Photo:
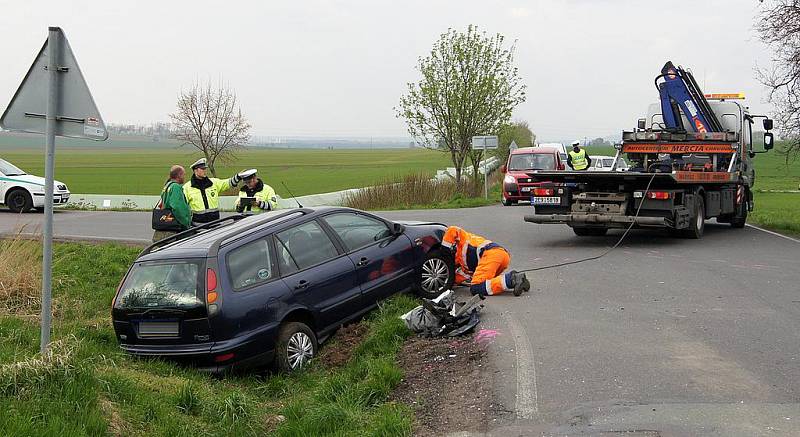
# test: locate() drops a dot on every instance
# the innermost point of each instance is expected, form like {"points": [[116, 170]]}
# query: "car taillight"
{"points": [[659, 195], [223, 357], [211, 286], [542, 191]]}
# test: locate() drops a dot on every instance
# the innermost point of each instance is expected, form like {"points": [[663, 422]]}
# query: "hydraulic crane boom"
{"points": [[680, 92]]}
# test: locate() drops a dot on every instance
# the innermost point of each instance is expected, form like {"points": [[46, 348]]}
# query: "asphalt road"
{"points": [[663, 336]]}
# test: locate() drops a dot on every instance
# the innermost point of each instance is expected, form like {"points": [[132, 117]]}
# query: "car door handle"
{"points": [[362, 262], [301, 285]]}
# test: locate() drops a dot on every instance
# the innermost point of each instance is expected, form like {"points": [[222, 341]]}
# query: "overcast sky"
{"points": [[337, 68]]}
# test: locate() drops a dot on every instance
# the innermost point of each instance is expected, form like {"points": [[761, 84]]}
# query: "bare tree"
{"points": [[469, 87], [210, 120], [778, 25]]}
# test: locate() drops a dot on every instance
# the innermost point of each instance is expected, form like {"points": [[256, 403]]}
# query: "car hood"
{"points": [[418, 223], [30, 179]]}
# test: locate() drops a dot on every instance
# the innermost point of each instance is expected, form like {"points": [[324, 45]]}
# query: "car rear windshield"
{"points": [[171, 284], [532, 161]]}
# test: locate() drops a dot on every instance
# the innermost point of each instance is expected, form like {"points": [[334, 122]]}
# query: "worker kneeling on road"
{"points": [[482, 263], [203, 192], [263, 196]]}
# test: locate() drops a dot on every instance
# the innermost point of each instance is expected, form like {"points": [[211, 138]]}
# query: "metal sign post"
{"points": [[53, 99], [485, 142], [53, 54]]}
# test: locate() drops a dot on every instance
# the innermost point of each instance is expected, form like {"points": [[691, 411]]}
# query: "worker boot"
{"points": [[521, 283]]}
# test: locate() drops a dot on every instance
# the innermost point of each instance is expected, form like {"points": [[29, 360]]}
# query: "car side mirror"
{"points": [[642, 123], [769, 140], [397, 229], [561, 166], [767, 124], [503, 169]]}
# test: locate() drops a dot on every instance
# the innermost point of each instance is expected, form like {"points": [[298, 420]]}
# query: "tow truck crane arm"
{"points": [[680, 92]]}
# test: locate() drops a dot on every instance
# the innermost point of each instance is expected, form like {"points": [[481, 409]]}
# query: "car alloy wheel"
{"points": [[435, 273], [299, 350]]}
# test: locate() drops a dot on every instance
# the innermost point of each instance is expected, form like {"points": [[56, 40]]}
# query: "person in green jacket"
{"points": [[264, 195], [172, 197]]}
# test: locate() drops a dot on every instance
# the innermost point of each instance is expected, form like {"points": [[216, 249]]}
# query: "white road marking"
{"points": [[774, 233], [527, 392]]}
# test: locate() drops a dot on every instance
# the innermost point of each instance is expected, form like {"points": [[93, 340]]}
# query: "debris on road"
{"points": [[443, 316]]}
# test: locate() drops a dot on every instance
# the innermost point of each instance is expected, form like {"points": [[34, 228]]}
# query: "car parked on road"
{"points": [[604, 163], [21, 192], [517, 183], [248, 290]]}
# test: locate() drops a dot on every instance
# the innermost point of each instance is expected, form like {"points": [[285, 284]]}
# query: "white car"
{"points": [[604, 163], [21, 191]]}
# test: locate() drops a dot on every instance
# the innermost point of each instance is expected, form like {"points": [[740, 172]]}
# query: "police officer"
{"points": [[203, 192], [577, 158], [254, 187]]}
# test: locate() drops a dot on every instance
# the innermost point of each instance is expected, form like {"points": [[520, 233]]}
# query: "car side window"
{"points": [[357, 231], [250, 264], [303, 246]]}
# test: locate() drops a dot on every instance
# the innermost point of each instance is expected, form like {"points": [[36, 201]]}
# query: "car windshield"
{"points": [[9, 169], [171, 284], [532, 161]]}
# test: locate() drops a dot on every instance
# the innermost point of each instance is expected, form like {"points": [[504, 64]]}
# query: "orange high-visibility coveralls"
{"points": [[479, 261]]}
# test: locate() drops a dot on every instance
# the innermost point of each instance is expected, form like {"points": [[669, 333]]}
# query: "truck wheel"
{"points": [[438, 274], [740, 218], [19, 200], [697, 223], [295, 347], [590, 232]]}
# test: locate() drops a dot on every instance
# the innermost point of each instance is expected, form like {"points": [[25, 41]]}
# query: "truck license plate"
{"points": [[546, 200]]}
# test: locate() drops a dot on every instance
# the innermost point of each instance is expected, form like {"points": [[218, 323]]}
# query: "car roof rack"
{"points": [[191, 231]]}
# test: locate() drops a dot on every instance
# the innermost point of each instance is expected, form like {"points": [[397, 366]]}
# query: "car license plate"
{"points": [[158, 329], [546, 200], [525, 189]]}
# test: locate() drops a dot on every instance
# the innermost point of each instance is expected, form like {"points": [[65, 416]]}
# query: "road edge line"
{"points": [[773, 233]]}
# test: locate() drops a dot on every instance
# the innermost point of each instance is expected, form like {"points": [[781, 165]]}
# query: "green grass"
{"points": [[91, 388], [126, 166]]}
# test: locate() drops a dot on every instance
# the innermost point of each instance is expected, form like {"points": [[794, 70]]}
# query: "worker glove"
{"points": [[478, 290], [264, 205], [236, 179]]}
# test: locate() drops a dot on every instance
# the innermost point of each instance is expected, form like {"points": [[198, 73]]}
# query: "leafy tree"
{"points": [[210, 120], [778, 25], [519, 132], [599, 142], [469, 86]]}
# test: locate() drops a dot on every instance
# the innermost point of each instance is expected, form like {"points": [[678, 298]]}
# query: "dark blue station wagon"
{"points": [[245, 291]]}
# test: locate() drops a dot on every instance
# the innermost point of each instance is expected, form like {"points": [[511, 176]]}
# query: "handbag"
{"points": [[163, 218]]}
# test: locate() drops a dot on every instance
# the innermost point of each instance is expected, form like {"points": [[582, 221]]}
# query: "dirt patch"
{"points": [[340, 347], [446, 384]]}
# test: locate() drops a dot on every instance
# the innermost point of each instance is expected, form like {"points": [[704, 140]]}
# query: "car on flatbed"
{"points": [[21, 191], [245, 291], [517, 183], [606, 163]]}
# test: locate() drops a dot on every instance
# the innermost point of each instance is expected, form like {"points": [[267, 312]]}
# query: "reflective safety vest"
{"points": [[205, 201], [266, 195], [469, 247], [578, 159]]}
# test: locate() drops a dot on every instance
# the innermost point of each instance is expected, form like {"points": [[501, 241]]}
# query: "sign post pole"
{"points": [[53, 55], [485, 174]]}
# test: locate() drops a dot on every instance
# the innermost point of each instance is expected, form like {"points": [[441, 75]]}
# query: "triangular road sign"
{"points": [[77, 114], [513, 145]]}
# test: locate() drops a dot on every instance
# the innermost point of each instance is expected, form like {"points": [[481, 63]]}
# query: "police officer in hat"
{"points": [[264, 197], [202, 192], [577, 158]]}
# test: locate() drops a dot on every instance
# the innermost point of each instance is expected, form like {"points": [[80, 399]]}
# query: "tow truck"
{"points": [[691, 159]]}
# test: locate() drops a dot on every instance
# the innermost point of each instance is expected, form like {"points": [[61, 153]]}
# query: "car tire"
{"points": [[438, 273], [296, 345], [697, 222], [19, 200], [507, 202], [590, 232]]}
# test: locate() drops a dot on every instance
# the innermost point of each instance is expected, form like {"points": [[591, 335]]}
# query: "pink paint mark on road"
{"points": [[485, 336]]}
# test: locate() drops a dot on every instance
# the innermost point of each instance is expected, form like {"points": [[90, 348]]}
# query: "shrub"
{"points": [[409, 190]]}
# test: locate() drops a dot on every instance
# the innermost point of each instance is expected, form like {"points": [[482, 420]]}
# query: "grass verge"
{"points": [[779, 212], [419, 191], [86, 386]]}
